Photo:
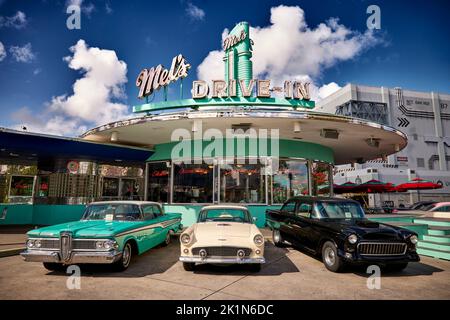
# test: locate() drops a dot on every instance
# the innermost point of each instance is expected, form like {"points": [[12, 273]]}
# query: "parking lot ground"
{"points": [[288, 274]]}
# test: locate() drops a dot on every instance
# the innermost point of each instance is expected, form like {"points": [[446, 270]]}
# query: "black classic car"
{"points": [[337, 230]]}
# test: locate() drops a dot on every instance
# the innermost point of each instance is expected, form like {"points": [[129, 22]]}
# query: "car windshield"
{"points": [[428, 207], [225, 214], [112, 211], [339, 210]]}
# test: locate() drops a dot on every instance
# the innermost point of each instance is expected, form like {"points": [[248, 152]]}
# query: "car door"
{"points": [[152, 228], [161, 230], [287, 213], [301, 223]]}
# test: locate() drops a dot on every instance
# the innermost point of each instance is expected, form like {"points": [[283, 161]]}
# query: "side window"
{"points": [[443, 209], [289, 207], [148, 212], [157, 211], [304, 210]]}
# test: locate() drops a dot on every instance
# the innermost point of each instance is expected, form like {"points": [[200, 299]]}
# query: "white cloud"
{"points": [[17, 21], [289, 49], [327, 89], [95, 95], [2, 52], [22, 54], [194, 12]]}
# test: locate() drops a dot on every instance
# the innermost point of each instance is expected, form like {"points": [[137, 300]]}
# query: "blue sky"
{"points": [[411, 50]]}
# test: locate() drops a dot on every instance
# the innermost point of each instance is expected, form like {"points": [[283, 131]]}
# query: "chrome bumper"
{"points": [[76, 256], [222, 260]]}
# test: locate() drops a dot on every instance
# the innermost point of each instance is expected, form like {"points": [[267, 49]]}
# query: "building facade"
{"points": [[423, 116]]}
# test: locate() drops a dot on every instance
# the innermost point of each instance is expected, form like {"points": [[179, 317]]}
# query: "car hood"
{"points": [[85, 229], [222, 230], [365, 229]]}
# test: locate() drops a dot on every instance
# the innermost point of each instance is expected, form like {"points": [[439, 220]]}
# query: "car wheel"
{"points": [[277, 238], [124, 262], [396, 266], [168, 238], [189, 266], [51, 266], [330, 258], [256, 267]]}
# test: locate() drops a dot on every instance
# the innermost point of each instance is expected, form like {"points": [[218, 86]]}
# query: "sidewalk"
{"points": [[12, 239]]}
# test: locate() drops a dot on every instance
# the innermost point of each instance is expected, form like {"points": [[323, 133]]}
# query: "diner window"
{"points": [[110, 187], [192, 183], [43, 186], [129, 189], [21, 186], [158, 182], [290, 180], [320, 177], [242, 183]]}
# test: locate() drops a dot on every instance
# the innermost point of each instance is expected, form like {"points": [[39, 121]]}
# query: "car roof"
{"points": [[224, 207], [136, 202]]}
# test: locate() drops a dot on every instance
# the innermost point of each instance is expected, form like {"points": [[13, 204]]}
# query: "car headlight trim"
{"points": [[30, 243], [185, 238], [352, 239], [258, 240], [413, 239], [99, 244]]}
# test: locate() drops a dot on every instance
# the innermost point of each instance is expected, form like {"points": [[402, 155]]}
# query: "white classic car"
{"points": [[222, 235]]}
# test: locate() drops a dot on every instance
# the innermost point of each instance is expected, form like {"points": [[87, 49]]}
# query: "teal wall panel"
{"points": [[16, 214], [54, 214]]}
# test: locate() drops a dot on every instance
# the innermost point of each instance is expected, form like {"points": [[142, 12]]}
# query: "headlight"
{"points": [[352, 239], [30, 243], [413, 239], [37, 243], [185, 238], [99, 244], [109, 244], [258, 239]]}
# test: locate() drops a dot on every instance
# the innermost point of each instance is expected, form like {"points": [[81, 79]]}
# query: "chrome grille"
{"points": [[52, 243], [221, 251], [381, 248], [66, 245], [83, 244]]}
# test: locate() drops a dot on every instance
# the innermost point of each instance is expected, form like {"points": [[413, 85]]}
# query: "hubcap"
{"points": [[329, 256], [126, 255]]}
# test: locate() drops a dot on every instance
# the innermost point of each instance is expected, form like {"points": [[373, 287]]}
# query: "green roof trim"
{"points": [[287, 148], [230, 101]]}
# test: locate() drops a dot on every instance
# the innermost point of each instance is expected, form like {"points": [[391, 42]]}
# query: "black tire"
{"points": [[189, 266], [277, 238], [51, 266], [255, 267], [396, 267], [168, 239], [124, 262], [330, 258]]}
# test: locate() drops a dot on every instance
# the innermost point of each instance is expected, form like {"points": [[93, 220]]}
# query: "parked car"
{"points": [[222, 235], [108, 233], [440, 209], [375, 210], [421, 205], [337, 230]]}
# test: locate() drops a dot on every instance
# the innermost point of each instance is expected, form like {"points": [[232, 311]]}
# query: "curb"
{"points": [[11, 252]]}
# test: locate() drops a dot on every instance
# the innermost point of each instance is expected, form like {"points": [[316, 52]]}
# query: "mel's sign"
{"points": [[154, 78]]}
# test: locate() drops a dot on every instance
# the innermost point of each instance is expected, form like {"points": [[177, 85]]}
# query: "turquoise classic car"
{"points": [[109, 233]]}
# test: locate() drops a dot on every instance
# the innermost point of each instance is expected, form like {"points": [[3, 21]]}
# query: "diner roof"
{"points": [[20, 147], [358, 140]]}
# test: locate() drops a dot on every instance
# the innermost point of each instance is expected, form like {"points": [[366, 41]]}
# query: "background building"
{"points": [[423, 116]]}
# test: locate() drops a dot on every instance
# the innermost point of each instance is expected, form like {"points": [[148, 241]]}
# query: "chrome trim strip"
{"points": [[152, 226], [76, 257]]}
